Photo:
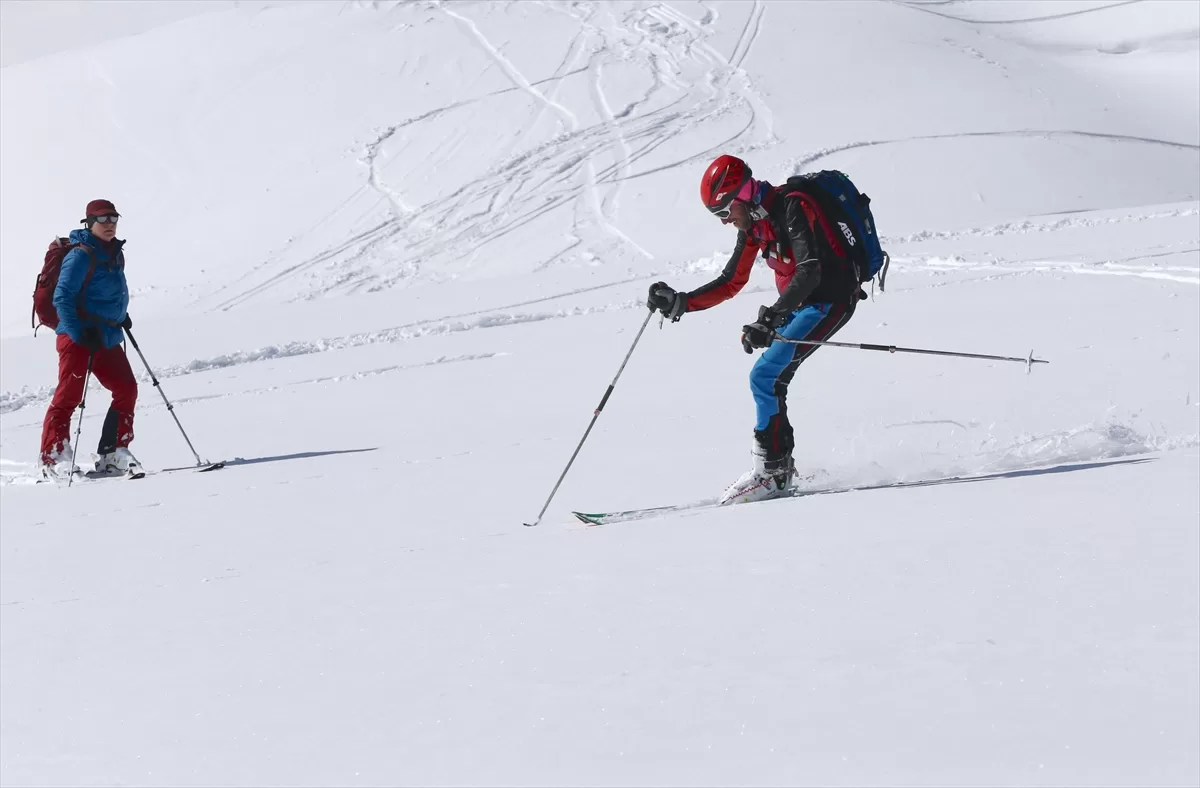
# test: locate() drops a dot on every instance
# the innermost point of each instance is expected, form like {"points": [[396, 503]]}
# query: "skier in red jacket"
{"points": [[818, 283]]}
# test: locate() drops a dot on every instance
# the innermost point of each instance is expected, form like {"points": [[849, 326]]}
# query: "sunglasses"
{"points": [[104, 219]]}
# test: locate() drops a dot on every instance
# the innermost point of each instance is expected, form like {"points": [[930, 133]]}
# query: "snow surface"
{"points": [[386, 257]]}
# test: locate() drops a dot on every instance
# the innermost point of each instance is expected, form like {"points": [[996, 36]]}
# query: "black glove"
{"points": [[92, 339], [756, 335], [127, 323], [761, 333], [667, 301]]}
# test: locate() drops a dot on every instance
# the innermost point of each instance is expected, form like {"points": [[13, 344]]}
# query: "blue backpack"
{"points": [[850, 210]]}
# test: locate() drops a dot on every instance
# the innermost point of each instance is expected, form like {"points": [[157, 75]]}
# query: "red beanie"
{"points": [[101, 208]]}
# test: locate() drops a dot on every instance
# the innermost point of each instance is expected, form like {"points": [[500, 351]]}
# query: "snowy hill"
{"points": [[385, 258]]}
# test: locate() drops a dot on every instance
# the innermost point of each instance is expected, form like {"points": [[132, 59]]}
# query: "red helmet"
{"points": [[722, 180]]}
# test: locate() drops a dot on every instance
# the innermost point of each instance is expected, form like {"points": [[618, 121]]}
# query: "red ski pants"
{"points": [[111, 367]]}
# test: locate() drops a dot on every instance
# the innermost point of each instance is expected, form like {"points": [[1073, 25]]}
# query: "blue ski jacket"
{"points": [[103, 300]]}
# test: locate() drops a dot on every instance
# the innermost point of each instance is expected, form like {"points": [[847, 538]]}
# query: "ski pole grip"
{"points": [[888, 348]]}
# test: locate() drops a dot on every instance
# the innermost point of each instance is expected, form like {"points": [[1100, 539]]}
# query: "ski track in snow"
{"points": [[800, 164], [691, 84], [358, 375], [515, 191], [358, 243], [14, 401], [11, 402], [1026, 226], [753, 27], [1181, 274], [1184, 274], [1049, 17]]}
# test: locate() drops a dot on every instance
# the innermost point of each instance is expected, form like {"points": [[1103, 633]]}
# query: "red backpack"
{"points": [[43, 291]]}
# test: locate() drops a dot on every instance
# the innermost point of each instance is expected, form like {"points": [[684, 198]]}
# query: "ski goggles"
{"points": [[105, 219], [744, 194]]}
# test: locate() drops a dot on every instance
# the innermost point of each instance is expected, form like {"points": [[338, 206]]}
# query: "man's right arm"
{"points": [[66, 293], [730, 281]]}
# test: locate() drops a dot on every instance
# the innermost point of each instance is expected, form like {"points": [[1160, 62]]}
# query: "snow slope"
{"points": [[386, 257]]}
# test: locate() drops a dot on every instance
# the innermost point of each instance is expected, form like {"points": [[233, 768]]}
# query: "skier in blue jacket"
{"points": [[92, 302]]}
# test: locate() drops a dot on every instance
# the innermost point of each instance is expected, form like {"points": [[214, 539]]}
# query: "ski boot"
{"points": [[119, 462], [59, 465], [767, 479]]}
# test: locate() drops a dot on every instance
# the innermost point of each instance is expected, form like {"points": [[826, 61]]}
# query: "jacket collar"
{"points": [[85, 236]]}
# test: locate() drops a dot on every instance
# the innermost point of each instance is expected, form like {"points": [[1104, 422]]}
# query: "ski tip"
{"points": [[587, 519], [214, 466]]}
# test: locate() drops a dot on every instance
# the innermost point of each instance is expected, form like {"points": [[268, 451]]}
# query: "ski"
{"points": [[628, 515], [95, 476], [114, 475], [77, 474], [92, 476], [604, 518]]}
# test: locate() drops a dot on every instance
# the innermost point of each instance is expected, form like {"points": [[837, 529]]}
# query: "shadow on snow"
{"points": [[303, 455], [982, 477]]}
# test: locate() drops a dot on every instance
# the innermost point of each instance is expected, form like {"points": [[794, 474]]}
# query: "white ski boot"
{"points": [[60, 464], [118, 462], [762, 482]]}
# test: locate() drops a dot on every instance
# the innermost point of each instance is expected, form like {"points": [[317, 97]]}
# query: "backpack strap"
{"points": [[818, 220], [79, 299]]}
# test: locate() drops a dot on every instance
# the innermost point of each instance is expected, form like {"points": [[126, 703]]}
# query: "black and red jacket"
{"points": [[807, 254]]}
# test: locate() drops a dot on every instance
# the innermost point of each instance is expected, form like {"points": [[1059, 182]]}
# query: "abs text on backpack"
{"points": [[840, 201], [44, 312]]}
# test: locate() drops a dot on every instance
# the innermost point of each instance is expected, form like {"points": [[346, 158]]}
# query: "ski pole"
{"points": [[170, 407], [1028, 361], [82, 404], [595, 415]]}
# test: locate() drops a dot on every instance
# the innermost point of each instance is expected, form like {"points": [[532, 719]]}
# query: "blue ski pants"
{"points": [[771, 374]]}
